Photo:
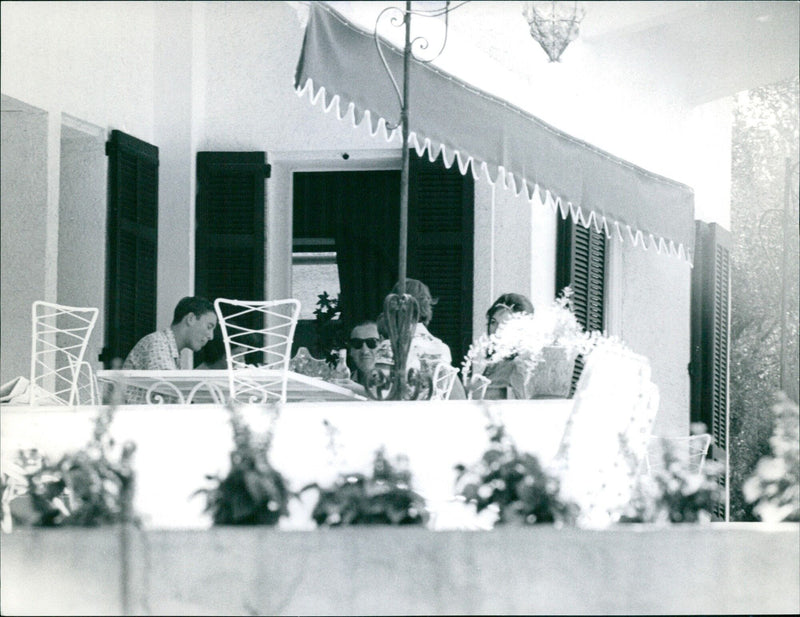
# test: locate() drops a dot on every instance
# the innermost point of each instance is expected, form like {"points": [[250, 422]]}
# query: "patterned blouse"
{"points": [[425, 346]]}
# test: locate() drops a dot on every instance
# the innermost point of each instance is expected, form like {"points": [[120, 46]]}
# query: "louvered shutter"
{"points": [[229, 234], [229, 237], [132, 243], [710, 336], [440, 246], [581, 265]]}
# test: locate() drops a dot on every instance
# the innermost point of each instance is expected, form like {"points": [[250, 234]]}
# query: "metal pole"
{"points": [[788, 207], [401, 270]]}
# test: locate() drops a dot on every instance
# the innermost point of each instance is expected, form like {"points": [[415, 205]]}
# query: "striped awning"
{"points": [[340, 67]]}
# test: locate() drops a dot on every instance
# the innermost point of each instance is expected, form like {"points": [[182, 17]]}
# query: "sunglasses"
{"points": [[357, 343]]}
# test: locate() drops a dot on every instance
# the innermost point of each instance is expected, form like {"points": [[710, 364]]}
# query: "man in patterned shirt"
{"points": [[192, 327]]}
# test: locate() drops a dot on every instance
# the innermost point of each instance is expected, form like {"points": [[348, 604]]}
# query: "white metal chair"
{"points": [[60, 335], [88, 388], [261, 331], [443, 380], [690, 451]]}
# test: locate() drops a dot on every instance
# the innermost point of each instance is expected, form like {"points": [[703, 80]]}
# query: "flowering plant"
{"points": [[525, 339], [514, 483], [775, 485], [384, 498]]}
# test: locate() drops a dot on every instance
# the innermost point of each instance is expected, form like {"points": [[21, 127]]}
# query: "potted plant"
{"points": [[383, 498], [253, 492], [513, 483], [90, 487], [533, 353], [329, 328], [674, 493]]}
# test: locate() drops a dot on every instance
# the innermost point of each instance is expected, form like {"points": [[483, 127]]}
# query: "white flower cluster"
{"points": [[525, 336]]}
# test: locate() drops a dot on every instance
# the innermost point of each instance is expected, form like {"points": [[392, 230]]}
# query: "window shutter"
{"points": [[710, 336], [581, 265], [440, 246], [229, 237], [132, 243]]}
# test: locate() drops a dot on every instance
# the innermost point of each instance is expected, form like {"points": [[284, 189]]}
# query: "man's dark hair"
{"points": [[191, 304]]}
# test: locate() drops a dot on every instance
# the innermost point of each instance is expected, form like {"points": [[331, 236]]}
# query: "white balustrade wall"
{"points": [[177, 445]]}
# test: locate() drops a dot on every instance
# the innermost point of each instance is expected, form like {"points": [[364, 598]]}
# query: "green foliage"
{"points": [[774, 487], [385, 498], [515, 483], [766, 131], [330, 328], [675, 493], [90, 487], [252, 492]]}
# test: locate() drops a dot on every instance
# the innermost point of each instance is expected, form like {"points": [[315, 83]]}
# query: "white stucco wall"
{"points": [[83, 204], [95, 63], [172, 133], [23, 212], [92, 60]]}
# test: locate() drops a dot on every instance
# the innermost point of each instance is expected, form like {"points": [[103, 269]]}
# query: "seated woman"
{"points": [[424, 345], [426, 348], [508, 373], [503, 307]]}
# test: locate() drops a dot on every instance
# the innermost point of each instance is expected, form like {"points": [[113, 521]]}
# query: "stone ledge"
{"points": [[636, 569]]}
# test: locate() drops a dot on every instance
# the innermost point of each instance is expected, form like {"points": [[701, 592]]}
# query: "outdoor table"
{"points": [[212, 386]]}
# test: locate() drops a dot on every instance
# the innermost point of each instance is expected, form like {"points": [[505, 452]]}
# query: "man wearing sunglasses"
{"points": [[363, 350]]}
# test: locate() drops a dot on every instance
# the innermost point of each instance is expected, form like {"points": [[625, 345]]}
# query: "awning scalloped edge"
{"points": [[467, 163]]}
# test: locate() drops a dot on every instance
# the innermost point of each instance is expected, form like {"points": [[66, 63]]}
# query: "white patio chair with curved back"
{"points": [[606, 435], [442, 382], [262, 331], [690, 451], [59, 337], [88, 388]]}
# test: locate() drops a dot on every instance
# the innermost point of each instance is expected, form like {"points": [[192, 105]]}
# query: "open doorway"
{"points": [[346, 239]]}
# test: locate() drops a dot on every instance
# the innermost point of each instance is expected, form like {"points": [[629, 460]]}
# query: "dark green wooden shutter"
{"points": [[440, 246], [132, 243], [581, 265], [229, 237], [710, 336]]}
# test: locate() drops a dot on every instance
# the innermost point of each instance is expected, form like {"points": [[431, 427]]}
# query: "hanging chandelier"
{"points": [[554, 25]]}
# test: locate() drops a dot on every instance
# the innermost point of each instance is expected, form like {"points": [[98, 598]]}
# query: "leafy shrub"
{"points": [[774, 487], [90, 487], [330, 328], [252, 492], [515, 483], [384, 498], [675, 493]]}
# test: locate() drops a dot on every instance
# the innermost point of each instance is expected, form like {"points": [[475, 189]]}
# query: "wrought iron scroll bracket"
{"points": [[397, 17]]}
